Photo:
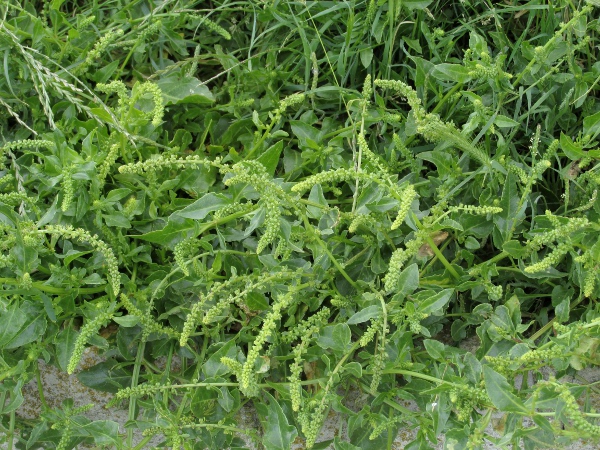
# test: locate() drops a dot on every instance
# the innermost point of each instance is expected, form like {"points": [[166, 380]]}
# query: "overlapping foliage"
{"points": [[295, 200]]}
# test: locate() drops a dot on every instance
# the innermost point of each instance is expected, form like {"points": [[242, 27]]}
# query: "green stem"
{"points": [[417, 375], [11, 430], [549, 325], [143, 443], [134, 381], [323, 245], [40, 386], [436, 250]]}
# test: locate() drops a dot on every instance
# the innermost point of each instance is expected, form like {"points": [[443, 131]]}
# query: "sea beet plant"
{"points": [[295, 204]]}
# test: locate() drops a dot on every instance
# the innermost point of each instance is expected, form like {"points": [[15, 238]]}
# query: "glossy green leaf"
{"points": [[203, 206], [451, 72], [104, 432], [279, 434], [370, 312], [65, 344], [270, 157], [336, 337], [501, 393], [408, 281], [435, 303], [21, 324], [177, 89]]}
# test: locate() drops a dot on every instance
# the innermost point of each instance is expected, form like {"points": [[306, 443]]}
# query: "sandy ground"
{"points": [[59, 386]]}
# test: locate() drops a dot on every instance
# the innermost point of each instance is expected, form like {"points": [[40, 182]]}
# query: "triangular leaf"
{"points": [[279, 434]]}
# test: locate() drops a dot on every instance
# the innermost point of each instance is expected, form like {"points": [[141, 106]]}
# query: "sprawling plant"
{"points": [[285, 227]]}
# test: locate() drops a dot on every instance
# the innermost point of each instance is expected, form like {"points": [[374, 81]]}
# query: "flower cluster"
{"points": [[399, 257], [374, 161], [247, 379], [212, 26], [195, 313], [170, 162], [367, 92], [303, 331], [385, 425], [369, 334], [81, 235], [85, 333], [311, 419], [406, 153], [271, 197], [107, 162], [532, 359], [557, 233], [466, 399], [486, 68], [408, 195], [237, 296], [182, 252], [571, 410], [551, 259], [409, 315], [140, 390], [68, 187], [476, 210], [99, 47], [116, 87], [13, 198], [139, 90], [431, 127]]}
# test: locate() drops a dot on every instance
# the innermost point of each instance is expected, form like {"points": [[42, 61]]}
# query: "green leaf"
{"points": [[307, 136], [107, 376], [178, 89], [177, 228], [354, 369], [368, 313], [503, 320], [505, 122], [116, 220], [104, 432], [366, 56], [408, 281], [451, 72], [316, 196], [336, 337], [572, 150], [514, 249], [213, 367], [21, 324], [509, 218], [442, 160], [72, 255], [26, 258], [435, 303], [591, 125], [117, 194], [65, 344], [500, 392], [127, 321], [270, 157], [279, 434], [434, 348], [203, 206]]}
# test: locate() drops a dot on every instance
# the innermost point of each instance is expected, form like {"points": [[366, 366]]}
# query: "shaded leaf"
{"points": [[500, 392]]}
